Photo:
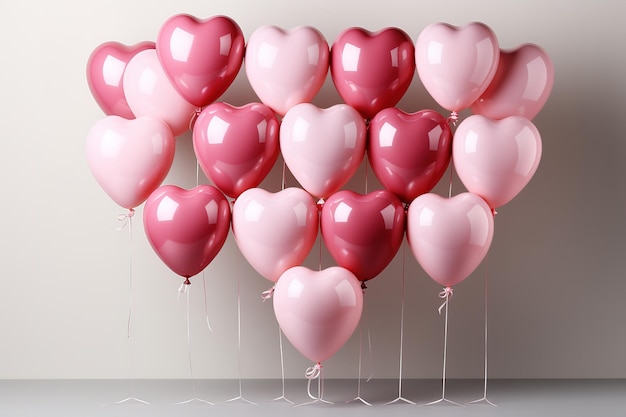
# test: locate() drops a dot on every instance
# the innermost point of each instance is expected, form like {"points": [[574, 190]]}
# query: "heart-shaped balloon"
{"points": [[409, 152], [323, 148], [275, 231], [286, 68], [521, 86], [149, 92], [363, 232], [449, 237], [318, 310], [105, 75], [186, 228], [456, 64], [372, 70], [496, 158], [236, 147], [201, 57], [130, 158]]}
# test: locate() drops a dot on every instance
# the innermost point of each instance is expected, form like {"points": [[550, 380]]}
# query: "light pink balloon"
{"points": [[449, 237], [186, 228], [201, 57], [105, 74], [149, 92], [286, 68], [363, 232], [130, 158], [236, 147], [372, 70], [275, 231], [496, 158], [323, 148], [456, 64], [318, 310], [409, 152], [521, 86]]}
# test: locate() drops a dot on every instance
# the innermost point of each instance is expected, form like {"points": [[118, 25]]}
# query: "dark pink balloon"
{"points": [[186, 228], [409, 152], [521, 86], [201, 57], [363, 232], [372, 71], [105, 75], [236, 147]]}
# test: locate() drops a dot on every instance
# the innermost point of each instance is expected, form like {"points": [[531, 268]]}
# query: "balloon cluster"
{"points": [[153, 92]]}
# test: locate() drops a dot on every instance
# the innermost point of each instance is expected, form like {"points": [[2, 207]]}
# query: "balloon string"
{"points": [[126, 220], [267, 294], [194, 117], [282, 360], [402, 317], [193, 381], [448, 292], [366, 172], [486, 339], [445, 294], [312, 373], [239, 324], [206, 305], [282, 183], [369, 335], [453, 118], [450, 186]]}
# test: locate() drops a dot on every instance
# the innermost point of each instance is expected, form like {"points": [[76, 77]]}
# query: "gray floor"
{"points": [[513, 398]]}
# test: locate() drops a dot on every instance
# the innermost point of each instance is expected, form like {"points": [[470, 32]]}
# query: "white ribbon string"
{"points": [[125, 219], [267, 294], [445, 294], [312, 373]]}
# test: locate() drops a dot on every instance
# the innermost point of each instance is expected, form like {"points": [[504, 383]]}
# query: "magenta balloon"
{"points": [[496, 158], [409, 152], [130, 158], [105, 75], [521, 86], [186, 228], [201, 57], [318, 310], [275, 231], [323, 148], [363, 232], [286, 68], [449, 237], [236, 147], [456, 64], [150, 93], [372, 71]]}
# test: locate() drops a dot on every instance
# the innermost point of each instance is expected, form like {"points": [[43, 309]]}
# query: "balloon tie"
{"points": [[445, 294], [124, 218], [313, 372], [493, 211], [183, 287], [453, 118], [194, 117], [267, 294]]}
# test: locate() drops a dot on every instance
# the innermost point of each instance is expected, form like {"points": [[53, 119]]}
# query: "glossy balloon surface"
{"points": [[363, 232], [275, 231], [186, 228], [318, 311], [286, 67], [201, 57], [236, 147]]}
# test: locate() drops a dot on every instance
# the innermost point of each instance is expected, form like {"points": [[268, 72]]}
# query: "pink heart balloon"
{"points": [[496, 158], [149, 92], [409, 152], [318, 310], [449, 237], [323, 148], [286, 68], [275, 231], [105, 74], [130, 158], [236, 146], [456, 64], [521, 86], [186, 228], [363, 232], [201, 57], [372, 71]]}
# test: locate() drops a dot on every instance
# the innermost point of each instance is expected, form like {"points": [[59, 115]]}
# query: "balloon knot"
{"points": [[320, 204], [445, 294], [187, 282], [124, 218], [194, 117], [493, 212], [313, 372], [453, 118], [363, 286], [267, 294]]}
